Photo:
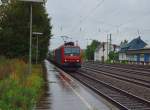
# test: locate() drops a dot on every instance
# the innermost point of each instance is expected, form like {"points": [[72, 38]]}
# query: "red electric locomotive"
{"points": [[68, 56]]}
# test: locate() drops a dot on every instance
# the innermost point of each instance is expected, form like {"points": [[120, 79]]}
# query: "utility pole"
{"points": [[61, 28], [76, 42], [138, 32], [64, 38], [107, 46], [37, 48], [110, 44], [37, 44], [30, 43], [87, 42], [30, 47]]}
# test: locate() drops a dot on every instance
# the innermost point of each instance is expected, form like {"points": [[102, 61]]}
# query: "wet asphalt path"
{"points": [[65, 93]]}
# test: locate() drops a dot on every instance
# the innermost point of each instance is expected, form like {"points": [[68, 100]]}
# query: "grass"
{"points": [[18, 89]]}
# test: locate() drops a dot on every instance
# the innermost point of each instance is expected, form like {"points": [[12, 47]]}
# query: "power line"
{"points": [[91, 12], [87, 16], [109, 30], [129, 21]]}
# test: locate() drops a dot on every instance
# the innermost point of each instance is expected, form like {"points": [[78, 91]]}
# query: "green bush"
{"points": [[18, 93], [124, 62]]}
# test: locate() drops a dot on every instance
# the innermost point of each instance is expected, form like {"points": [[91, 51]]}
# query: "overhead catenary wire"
{"points": [[120, 25], [128, 22], [117, 27], [92, 11], [87, 16]]}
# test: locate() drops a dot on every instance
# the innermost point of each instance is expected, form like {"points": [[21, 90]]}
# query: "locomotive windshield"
{"points": [[73, 51]]}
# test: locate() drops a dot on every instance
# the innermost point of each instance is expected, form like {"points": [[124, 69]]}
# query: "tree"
{"points": [[124, 42], [113, 56], [14, 36], [91, 49]]}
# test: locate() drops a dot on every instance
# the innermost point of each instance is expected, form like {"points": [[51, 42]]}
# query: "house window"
{"points": [[141, 57]]}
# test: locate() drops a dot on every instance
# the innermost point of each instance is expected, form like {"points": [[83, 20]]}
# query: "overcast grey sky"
{"points": [[94, 19]]}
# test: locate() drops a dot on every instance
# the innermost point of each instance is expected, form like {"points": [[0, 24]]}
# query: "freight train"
{"points": [[67, 56]]}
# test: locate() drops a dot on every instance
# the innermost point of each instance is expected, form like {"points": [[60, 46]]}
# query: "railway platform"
{"points": [[65, 93]]}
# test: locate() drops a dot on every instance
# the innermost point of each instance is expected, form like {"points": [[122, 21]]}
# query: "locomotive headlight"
{"points": [[77, 60]]}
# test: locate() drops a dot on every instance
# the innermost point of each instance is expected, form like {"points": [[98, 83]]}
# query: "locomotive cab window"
{"points": [[71, 51]]}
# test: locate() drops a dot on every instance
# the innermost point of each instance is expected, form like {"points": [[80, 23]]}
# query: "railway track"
{"points": [[121, 68], [133, 66], [124, 72], [118, 76], [131, 82], [130, 75], [142, 68], [123, 99]]}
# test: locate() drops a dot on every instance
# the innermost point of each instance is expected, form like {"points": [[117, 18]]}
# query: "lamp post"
{"points": [[37, 44], [1, 29], [30, 47]]}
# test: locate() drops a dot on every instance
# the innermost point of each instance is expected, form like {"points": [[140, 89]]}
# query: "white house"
{"points": [[102, 51], [122, 56]]}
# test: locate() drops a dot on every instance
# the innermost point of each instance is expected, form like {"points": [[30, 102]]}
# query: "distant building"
{"points": [[133, 51], [122, 52], [139, 56], [102, 51]]}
